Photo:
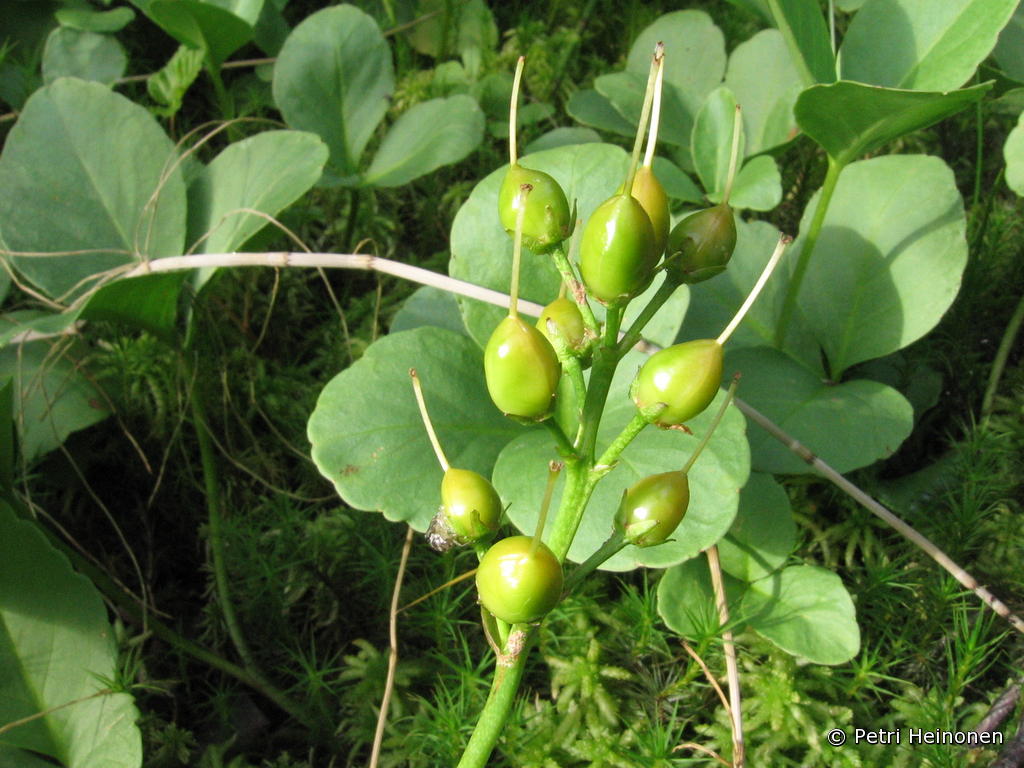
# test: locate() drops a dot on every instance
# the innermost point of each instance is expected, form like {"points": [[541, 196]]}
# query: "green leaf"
{"points": [[55, 642], [712, 140], [149, 302], [12, 757], [217, 27], [873, 116], [763, 534], [686, 599], [430, 134], [766, 83], [714, 302], [429, 306], [922, 45], [1009, 51], [804, 30], [168, 86], [366, 431], [334, 77], [7, 445], [715, 480], [677, 184], [758, 185], [562, 137], [591, 108], [625, 92], [108, 166], [86, 55], [872, 418], [53, 398], [806, 611], [889, 257], [95, 21], [266, 172], [1013, 154]]}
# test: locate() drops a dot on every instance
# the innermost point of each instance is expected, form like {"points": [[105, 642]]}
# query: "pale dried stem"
{"points": [[731, 668]]}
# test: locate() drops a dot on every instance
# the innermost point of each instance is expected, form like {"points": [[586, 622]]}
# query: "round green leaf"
{"points": [[807, 612], [86, 55], [715, 480], [677, 184], [872, 418], [686, 599], [367, 435], [763, 534], [334, 77], [591, 108], [108, 166], [920, 44], [765, 81], [714, 302], [430, 134], [889, 257], [1013, 154], [220, 28], [712, 139], [1009, 51], [95, 21], [563, 137], [803, 28], [758, 185], [55, 642], [625, 92], [429, 306]]}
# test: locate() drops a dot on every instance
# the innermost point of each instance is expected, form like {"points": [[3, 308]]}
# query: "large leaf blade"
{"points": [[803, 28]]}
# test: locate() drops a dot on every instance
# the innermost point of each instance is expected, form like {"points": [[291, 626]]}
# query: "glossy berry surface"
{"points": [[685, 377], [565, 314], [471, 506], [660, 500], [649, 192], [546, 222], [705, 241], [521, 369], [515, 585], [617, 256]]}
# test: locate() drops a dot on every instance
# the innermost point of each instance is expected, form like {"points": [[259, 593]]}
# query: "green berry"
{"points": [[470, 504], [617, 256], [684, 377], [521, 369], [517, 585], [649, 192], [652, 509], [702, 244], [566, 316], [546, 222]]}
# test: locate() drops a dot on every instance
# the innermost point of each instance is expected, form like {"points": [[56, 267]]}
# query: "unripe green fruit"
{"points": [[547, 218], [566, 316], [658, 499], [617, 256], [704, 241], [470, 504], [515, 585], [651, 195], [521, 369], [684, 377]]}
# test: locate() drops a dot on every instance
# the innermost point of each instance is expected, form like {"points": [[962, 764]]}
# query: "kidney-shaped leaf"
{"points": [[589, 107], [367, 435], [431, 134], [806, 611], [625, 92], [219, 27], [873, 116], [715, 479], [712, 139], [87, 176], [334, 77], [871, 418], [803, 28], [55, 642], [889, 257], [922, 45], [1013, 154], [763, 534], [686, 599], [87, 55]]}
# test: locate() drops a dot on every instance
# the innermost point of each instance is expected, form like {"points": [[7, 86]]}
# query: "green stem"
{"points": [[565, 446], [224, 99], [507, 675], [999, 364], [831, 178], [570, 511], [355, 199], [979, 152], [615, 544], [618, 445], [575, 287], [663, 294]]}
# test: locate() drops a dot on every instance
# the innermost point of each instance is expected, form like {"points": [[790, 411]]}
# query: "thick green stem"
{"points": [[789, 306], [565, 447], [618, 445], [570, 510], [999, 364], [614, 544], [507, 675], [575, 288], [663, 294]]}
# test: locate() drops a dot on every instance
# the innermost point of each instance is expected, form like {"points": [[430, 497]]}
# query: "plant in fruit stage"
{"points": [[619, 249], [677, 383], [647, 190], [546, 219], [700, 246], [520, 365], [567, 319], [470, 507]]}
